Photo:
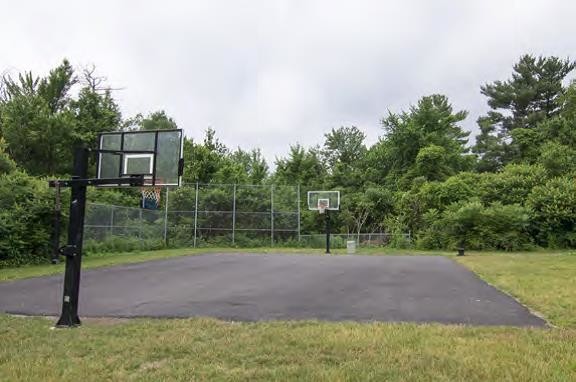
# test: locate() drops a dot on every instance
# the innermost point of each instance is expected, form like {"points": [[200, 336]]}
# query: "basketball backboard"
{"points": [[324, 200], [155, 154]]}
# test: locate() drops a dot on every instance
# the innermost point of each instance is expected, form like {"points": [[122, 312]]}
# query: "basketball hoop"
{"points": [[323, 204], [151, 197]]}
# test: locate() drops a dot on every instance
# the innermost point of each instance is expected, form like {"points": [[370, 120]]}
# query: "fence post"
{"points": [[234, 216], [271, 215], [140, 223], [111, 220], [166, 218], [298, 198], [196, 215]]}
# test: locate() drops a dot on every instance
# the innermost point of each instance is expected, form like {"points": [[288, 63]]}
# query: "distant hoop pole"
{"points": [[327, 214]]}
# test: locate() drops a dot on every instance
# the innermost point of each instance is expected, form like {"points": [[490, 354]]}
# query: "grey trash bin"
{"points": [[351, 247]]}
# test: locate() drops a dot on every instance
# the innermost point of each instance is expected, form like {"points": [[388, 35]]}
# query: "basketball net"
{"points": [[151, 197], [322, 206]]}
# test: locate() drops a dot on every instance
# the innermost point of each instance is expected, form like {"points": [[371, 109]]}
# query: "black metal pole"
{"points": [[56, 228], [327, 232], [73, 251]]}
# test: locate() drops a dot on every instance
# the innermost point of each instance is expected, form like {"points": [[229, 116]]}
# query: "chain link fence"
{"points": [[108, 228], [213, 215], [365, 240]]}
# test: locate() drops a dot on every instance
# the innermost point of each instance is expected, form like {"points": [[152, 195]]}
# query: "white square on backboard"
{"points": [[138, 157]]}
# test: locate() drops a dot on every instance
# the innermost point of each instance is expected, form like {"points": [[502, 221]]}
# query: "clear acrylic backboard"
{"points": [[155, 154], [324, 200]]}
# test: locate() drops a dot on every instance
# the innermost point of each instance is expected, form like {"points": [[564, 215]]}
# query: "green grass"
{"points": [[208, 349], [545, 282]]}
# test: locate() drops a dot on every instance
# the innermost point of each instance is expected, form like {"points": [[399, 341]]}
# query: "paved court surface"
{"points": [[286, 287]]}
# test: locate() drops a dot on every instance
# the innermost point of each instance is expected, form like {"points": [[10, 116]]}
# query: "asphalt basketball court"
{"points": [[253, 287]]}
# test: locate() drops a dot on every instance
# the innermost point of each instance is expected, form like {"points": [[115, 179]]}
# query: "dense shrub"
{"points": [[7, 165], [121, 244], [26, 211], [513, 184], [553, 210], [128, 197], [475, 226]]}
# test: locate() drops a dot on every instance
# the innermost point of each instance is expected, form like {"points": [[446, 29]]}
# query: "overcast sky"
{"points": [[272, 73]]}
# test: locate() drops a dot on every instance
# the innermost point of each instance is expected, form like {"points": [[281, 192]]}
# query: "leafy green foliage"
{"points": [[7, 165], [513, 184], [558, 159], [472, 225], [41, 123], [429, 131], [26, 206], [202, 161], [516, 191], [302, 166], [121, 244], [553, 208], [533, 95], [157, 120]]}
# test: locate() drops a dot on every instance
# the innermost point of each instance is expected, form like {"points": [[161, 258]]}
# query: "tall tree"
{"points": [[36, 121], [429, 132], [42, 123], [344, 145], [203, 160], [532, 95], [94, 109], [344, 152], [157, 120], [302, 166]]}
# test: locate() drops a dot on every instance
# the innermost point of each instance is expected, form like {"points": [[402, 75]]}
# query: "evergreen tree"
{"points": [[531, 96]]}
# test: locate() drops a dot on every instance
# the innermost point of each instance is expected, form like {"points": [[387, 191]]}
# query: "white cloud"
{"points": [[271, 73]]}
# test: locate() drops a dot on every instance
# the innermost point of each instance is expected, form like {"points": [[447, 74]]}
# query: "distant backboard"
{"points": [[155, 154], [324, 200]]}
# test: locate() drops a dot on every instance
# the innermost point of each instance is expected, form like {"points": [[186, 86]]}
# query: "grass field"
{"points": [[207, 349], [545, 282]]}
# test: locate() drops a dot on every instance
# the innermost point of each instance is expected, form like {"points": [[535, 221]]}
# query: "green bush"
{"points": [[128, 197], [475, 226], [26, 213], [434, 236], [121, 244], [7, 165], [553, 210], [513, 184]]}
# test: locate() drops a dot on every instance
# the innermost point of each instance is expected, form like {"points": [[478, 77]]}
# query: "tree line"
{"points": [[512, 188]]}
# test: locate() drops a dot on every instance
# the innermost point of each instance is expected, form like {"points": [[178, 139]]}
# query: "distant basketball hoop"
{"points": [[323, 205], [323, 202]]}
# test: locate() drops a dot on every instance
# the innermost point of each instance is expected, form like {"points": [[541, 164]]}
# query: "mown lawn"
{"points": [[545, 282], [208, 349]]}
